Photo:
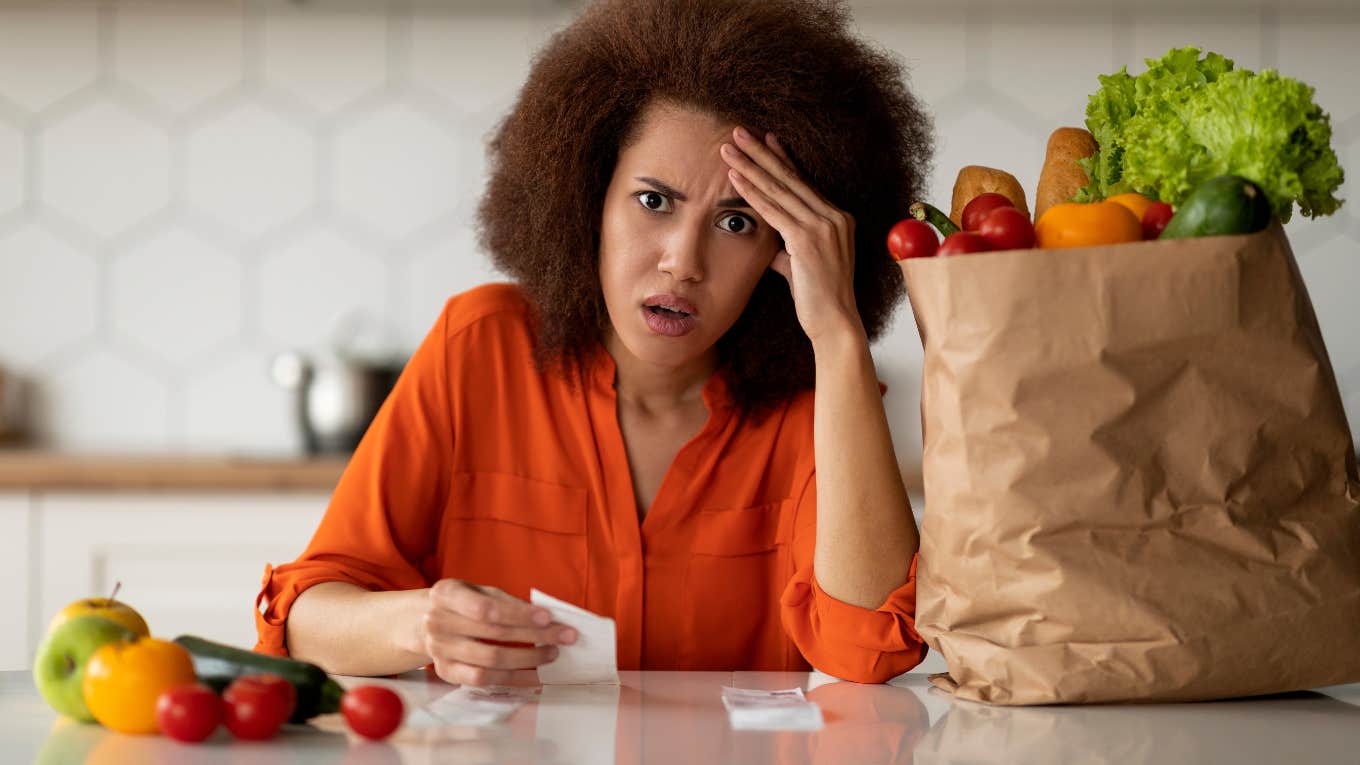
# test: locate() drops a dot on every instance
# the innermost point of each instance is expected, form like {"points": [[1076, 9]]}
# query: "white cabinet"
{"points": [[189, 563], [16, 559]]}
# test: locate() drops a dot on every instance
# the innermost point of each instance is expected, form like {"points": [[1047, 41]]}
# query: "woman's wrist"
{"points": [[409, 626], [840, 345]]}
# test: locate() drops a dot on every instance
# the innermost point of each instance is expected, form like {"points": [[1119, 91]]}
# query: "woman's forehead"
{"points": [[679, 147], [664, 127]]}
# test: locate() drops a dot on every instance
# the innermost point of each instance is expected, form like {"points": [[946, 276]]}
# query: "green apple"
{"points": [[59, 669]]}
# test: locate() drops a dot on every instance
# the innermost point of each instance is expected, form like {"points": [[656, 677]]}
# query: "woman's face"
{"points": [[675, 232]]}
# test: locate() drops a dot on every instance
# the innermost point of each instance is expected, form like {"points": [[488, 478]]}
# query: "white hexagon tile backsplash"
{"points": [[47, 52], [179, 55], [12, 161], [251, 168], [1240, 37], [442, 47], [309, 287], [176, 273], [187, 189], [49, 290], [326, 65], [397, 169], [104, 166], [1320, 49]]}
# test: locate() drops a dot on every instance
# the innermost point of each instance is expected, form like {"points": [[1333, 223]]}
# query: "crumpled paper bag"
{"points": [[1139, 480]]}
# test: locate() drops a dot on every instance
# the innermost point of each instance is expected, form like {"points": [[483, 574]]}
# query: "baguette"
{"points": [[976, 179], [1062, 177]]}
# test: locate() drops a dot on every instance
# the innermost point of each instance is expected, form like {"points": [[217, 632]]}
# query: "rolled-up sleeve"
{"points": [[381, 523], [866, 645]]}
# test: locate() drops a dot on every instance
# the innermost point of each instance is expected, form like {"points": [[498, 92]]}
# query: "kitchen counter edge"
{"points": [[34, 470]]}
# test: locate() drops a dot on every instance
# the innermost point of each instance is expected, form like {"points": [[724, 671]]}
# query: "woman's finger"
{"points": [[778, 148], [828, 210], [475, 603], [773, 189], [777, 216], [478, 653], [445, 624], [782, 265], [781, 169], [445, 657], [459, 673]]}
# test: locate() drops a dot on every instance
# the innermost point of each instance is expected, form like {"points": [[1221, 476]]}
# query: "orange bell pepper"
{"points": [[1076, 224]]}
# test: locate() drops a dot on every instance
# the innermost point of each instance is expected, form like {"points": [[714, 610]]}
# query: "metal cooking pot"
{"points": [[335, 398]]}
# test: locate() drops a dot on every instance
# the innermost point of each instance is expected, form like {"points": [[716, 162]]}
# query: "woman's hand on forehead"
{"points": [[818, 259]]}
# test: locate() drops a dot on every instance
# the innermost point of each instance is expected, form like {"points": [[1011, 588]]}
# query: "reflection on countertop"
{"points": [[1307, 726], [664, 717]]}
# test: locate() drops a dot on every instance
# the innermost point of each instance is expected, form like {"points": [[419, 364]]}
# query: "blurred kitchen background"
{"points": [[189, 188]]}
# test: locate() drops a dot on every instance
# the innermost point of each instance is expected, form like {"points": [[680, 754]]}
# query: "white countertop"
{"points": [[665, 717]]}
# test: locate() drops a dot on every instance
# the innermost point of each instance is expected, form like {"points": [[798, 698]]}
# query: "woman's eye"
{"points": [[737, 224], [654, 201]]}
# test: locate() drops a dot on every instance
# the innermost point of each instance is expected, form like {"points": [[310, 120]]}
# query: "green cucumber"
{"points": [[1222, 205], [217, 665]]}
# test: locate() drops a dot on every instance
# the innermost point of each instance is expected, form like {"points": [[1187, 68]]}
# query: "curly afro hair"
{"points": [[841, 108]]}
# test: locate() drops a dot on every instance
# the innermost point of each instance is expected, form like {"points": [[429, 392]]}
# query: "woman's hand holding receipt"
{"points": [[464, 625]]}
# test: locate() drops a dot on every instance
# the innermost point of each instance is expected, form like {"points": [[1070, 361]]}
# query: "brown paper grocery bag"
{"points": [[1139, 480]]}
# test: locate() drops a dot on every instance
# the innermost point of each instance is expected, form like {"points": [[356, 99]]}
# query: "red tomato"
{"points": [[977, 209], [911, 238], [258, 705], [1006, 228], [1155, 219], [276, 684], [372, 711], [963, 243], [188, 712]]}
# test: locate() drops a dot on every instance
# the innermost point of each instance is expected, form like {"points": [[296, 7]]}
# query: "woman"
{"points": [[631, 425]]}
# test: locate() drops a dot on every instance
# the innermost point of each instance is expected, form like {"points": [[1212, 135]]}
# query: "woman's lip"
{"points": [[667, 325], [673, 302]]}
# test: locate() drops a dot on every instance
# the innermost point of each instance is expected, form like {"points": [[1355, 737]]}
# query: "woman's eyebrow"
{"points": [[674, 193]]}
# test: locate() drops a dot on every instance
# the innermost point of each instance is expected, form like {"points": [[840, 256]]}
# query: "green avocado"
{"points": [[1222, 205]]}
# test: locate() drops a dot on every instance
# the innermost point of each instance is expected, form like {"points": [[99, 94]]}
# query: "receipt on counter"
{"points": [[751, 709], [468, 705], [593, 658]]}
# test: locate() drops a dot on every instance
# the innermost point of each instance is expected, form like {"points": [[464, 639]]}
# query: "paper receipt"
{"points": [[593, 658], [751, 709], [467, 705]]}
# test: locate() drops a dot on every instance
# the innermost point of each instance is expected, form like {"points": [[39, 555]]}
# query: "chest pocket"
{"points": [[515, 533], [739, 563]]}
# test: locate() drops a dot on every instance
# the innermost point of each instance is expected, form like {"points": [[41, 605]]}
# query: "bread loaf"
{"points": [[1062, 176], [976, 179]]}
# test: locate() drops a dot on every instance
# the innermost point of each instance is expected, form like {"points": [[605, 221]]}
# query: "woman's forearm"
{"points": [[866, 534], [348, 630]]}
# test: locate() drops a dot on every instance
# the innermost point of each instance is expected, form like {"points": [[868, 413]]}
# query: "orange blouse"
{"points": [[480, 468]]}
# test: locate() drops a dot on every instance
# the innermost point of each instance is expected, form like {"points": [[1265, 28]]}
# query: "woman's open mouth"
{"points": [[669, 315], [670, 323]]}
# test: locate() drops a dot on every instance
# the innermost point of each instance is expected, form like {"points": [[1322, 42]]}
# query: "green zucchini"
{"points": [[217, 665], [1222, 205]]}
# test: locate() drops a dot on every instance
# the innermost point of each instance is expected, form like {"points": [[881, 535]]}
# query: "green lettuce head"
{"points": [[1187, 119]]}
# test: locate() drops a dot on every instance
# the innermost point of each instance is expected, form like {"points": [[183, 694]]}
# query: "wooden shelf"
{"points": [[28, 470]]}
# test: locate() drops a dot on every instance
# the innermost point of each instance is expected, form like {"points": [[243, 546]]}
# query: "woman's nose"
{"points": [[682, 256]]}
